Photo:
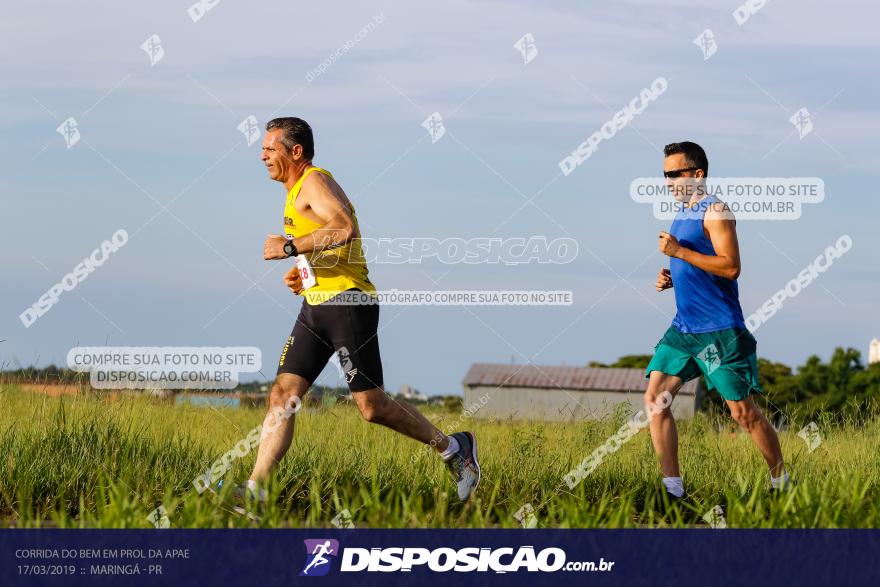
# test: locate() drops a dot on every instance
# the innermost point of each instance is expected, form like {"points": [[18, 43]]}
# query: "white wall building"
{"points": [[410, 393], [874, 352], [531, 392]]}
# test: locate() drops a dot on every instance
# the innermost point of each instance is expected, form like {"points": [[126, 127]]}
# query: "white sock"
{"points": [[674, 486], [451, 449], [252, 485], [779, 482]]}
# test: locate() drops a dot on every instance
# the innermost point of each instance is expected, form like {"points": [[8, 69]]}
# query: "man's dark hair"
{"points": [[296, 132], [694, 153]]}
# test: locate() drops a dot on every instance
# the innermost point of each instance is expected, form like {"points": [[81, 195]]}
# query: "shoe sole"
{"points": [[473, 440]]}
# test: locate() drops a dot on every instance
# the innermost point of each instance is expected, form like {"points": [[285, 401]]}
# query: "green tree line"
{"points": [[842, 388]]}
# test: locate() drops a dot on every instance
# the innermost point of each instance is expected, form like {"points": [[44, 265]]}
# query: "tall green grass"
{"points": [[87, 461]]}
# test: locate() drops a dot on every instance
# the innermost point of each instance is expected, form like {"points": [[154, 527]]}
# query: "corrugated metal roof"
{"points": [[557, 376]]}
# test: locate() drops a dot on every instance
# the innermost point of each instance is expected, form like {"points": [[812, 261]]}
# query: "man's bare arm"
{"points": [[326, 200], [721, 226]]}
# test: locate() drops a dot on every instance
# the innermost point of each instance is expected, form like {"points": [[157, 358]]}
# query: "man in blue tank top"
{"points": [[708, 335]]}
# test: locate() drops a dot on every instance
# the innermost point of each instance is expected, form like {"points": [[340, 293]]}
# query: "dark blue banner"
{"points": [[438, 557]]}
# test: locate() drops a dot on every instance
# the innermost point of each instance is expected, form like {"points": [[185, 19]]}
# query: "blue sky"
{"points": [[153, 135]]}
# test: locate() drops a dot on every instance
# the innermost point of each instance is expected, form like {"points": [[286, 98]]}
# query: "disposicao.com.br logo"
{"points": [[318, 556], [441, 560]]}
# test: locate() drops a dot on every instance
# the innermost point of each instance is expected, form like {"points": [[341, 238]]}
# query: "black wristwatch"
{"points": [[290, 248]]}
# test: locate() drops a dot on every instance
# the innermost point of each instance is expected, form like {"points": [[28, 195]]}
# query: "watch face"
{"points": [[288, 248]]}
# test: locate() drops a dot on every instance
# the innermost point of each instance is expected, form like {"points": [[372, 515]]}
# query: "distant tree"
{"points": [[865, 388], [453, 403], [843, 387], [779, 387]]}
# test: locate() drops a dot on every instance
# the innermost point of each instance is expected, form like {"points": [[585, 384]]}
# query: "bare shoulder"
{"points": [[319, 190], [719, 211], [317, 182]]}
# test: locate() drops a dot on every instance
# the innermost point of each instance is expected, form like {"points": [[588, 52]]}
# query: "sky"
{"points": [[160, 155]]}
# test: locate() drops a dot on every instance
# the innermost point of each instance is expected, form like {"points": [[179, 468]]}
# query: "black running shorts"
{"points": [[350, 331]]}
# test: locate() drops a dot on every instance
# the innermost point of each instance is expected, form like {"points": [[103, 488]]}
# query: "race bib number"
{"points": [[305, 272]]}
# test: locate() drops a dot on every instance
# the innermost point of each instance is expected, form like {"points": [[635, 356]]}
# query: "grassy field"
{"points": [[88, 461]]}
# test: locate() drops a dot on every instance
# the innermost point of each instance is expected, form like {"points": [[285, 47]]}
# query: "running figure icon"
{"points": [[319, 552]]}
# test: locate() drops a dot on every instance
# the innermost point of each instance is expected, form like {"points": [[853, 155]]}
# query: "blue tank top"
{"points": [[704, 302]]}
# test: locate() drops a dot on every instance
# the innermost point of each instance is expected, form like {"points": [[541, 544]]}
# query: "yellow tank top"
{"points": [[337, 269]]}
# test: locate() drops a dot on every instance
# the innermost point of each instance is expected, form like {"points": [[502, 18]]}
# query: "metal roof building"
{"points": [[560, 393]]}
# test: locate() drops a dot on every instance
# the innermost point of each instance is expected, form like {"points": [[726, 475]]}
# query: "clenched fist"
{"points": [[293, 280], [273, 247], [664, 280], [668, 244]]}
